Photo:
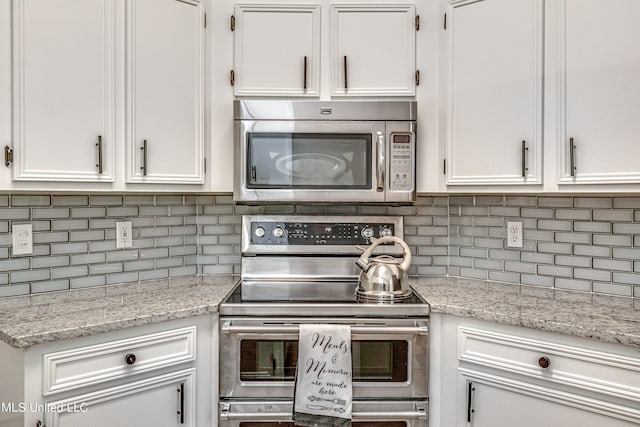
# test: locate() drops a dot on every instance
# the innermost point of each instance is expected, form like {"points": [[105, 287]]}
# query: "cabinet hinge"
{"points": [[232, 78], [445, 21], [8, 155], [417, 77], [444, 166], [205, 20], [232, 23], [417, 22]]}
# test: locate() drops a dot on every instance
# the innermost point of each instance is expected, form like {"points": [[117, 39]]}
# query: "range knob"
{"points": [[385, 232], [278, 232], [259, 232], [367, 232]]}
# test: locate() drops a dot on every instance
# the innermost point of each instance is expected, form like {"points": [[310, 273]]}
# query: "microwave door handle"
{"points": [[380, 166]]}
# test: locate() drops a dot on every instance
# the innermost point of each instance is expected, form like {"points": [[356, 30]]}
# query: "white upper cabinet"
{"points": [[277, 50], [494, 92], [373, 50], [63, 90], [599, 96], [165, 91]]}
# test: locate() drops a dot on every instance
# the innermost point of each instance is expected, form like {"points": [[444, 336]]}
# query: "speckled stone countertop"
{"points": [[606, 318], [37, 319]]}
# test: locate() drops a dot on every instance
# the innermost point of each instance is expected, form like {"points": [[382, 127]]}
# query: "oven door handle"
{"points": [[227, 414], [421, 328]]}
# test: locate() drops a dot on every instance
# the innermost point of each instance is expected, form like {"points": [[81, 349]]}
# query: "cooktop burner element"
{"points": [[305, 266]]}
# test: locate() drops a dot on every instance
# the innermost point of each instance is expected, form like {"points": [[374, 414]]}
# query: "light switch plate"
{"points": [[22, 235]]}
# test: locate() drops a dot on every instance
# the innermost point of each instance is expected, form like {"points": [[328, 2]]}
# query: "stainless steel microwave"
{"points": [[315, 151]]}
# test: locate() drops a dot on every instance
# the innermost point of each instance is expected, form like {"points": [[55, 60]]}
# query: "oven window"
{"points": [[275, 360], [355, 424], [309, 160]]}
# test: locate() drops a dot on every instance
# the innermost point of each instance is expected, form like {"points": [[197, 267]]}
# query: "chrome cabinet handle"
{"points": [[345, 73], [525, 169], [304, 82], [143, 168], [572, 157], [380, 167], [99, 145]]}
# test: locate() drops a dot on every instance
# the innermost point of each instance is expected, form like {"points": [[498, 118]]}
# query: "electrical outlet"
{"points": [[514, 234], [22, 235], [124, 237]]}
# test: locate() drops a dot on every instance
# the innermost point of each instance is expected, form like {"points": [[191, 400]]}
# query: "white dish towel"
{"points": [[323, 391]]}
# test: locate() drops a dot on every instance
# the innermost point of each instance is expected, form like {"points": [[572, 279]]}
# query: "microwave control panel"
{"points": [[401, 161], [301, 233]]}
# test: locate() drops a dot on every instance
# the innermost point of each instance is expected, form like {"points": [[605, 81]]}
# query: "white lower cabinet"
{"points": [[164, 400], [156, 375], [486, 374], [500, 405]]}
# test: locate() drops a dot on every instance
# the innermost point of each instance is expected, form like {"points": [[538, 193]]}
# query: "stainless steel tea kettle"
{"points": [[383, 278]]}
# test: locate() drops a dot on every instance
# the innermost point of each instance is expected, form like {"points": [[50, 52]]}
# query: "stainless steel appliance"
{"points": [[316, 151], [301, 269]]}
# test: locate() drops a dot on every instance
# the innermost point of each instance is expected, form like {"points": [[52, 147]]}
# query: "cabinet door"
{"points": [[600, 94], [277, 50], [63, 90], [165, 90], [161, 401], [494, 112], [496, 405], [373, 50]]}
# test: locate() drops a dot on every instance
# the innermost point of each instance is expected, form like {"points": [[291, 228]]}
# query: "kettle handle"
{"points": [[363, 261]]}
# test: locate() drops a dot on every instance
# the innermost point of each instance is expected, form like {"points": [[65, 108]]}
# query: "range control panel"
{"points": [[304, 233], [401, 162]]}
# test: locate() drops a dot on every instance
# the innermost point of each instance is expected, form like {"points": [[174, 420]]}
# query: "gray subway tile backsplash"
{"points": [[589, 244]]}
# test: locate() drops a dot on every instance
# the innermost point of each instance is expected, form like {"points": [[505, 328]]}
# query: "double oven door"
{"points": [[259, 356], [365, 414]]}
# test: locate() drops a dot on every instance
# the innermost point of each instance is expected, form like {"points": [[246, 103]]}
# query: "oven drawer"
{"points": [[258, 357], [365, 414]]}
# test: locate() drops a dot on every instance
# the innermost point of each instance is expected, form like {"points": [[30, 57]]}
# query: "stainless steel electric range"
{"points": [[301, 269]]}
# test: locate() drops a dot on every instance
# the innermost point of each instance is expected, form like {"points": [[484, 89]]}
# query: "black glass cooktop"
{"points": [[312, 292]]}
